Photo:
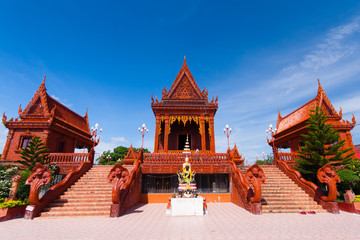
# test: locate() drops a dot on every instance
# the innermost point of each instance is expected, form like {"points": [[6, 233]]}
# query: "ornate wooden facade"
{"points": [[290, 127], [60, 128], [184, 111]]}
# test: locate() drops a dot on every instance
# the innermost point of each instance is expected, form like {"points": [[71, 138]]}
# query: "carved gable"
{"points": [[184, 86], [34, 109], [184, 90]]}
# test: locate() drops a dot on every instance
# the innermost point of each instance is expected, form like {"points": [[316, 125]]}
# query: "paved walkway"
{"points": [[224, 221]]}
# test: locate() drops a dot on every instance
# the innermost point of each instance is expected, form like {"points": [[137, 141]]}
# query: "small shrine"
{"points": [[186, 202], [187, 184]]}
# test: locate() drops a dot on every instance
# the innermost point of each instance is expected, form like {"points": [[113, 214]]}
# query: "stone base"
{"points": [[187, 206]]}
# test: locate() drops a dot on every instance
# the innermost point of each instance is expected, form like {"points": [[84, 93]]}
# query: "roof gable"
{"points": [[184, 87], [44, 106], [38, 106]]}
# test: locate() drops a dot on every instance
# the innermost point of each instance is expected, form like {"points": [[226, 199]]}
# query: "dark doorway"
{"points": [[182, 140]]}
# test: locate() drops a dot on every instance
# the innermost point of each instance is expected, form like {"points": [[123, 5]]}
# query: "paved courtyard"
{"points": [[224, 221]]}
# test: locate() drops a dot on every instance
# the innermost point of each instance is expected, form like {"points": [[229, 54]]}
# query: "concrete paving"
{"points": [[223, 221]]}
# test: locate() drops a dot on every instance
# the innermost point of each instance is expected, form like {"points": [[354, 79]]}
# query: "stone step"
{"points": [[294, 207], [82, 200], [79, 204], [86, 195], [292, 210], [285, 202], [87, 187], [75, 214], [92, 183], [79, 208]]}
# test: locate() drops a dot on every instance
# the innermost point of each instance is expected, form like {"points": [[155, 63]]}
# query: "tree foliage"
{"points": [[117, 154], [322, 145], [35, 152]]}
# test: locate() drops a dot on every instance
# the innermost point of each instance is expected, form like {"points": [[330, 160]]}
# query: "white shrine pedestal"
{"points": [[187, 206]]}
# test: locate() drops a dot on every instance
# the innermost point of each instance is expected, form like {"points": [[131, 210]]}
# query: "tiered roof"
{"points": [[184, 93], [301, 115], [43, 111]]}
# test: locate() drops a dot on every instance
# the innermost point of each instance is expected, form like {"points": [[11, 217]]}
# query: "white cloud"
{"points": [[3, 137], [69, 105], [335, 59], [106, 146]]}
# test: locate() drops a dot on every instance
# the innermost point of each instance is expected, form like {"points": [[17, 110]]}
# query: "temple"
{"points": [[61, 129], [290, 127], [185, 116], [184, 111], [184, 140]]}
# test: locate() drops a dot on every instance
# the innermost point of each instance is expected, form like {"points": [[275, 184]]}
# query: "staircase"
{"points": [[282, 195], [89, 196]]}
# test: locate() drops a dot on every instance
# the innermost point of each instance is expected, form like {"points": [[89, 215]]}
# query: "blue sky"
{"points": [[111, 56]]}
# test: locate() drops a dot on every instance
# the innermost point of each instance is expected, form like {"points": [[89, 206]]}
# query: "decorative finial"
{"points": [[279, 116], [20, 110], [184, 60], [86, 113]]}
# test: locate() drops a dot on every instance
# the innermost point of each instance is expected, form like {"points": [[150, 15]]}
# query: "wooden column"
{"points": [[203, 141], [157, 129], [212, 133], [166, 133]]}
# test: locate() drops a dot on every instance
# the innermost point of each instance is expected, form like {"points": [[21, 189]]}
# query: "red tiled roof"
{"points": [[64, 113], [299, 115]]}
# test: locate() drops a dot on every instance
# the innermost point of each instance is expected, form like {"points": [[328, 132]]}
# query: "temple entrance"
{"points": [[182, 140]]}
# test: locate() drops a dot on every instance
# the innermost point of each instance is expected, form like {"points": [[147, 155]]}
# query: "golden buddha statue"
{"points": [[186, 176]]}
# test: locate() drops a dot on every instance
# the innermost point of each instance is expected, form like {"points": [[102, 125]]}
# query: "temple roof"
{"points": [[43, 106], [302, 113], [184, 92]]}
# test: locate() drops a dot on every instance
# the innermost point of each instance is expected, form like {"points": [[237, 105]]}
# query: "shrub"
{"points": [[347, 175], [5, 180], [24, 190], [35, 152], [14, 203]]}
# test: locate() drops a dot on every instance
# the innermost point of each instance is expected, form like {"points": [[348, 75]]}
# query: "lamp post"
{"points": [[108, 158], [94, 134], [95, 138], [270, 132], [227, 131], [143, 130], [263, 155], [101, 156]]}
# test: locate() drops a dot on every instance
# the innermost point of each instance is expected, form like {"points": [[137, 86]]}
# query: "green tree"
{"points": [[35, 152], [118, 153], [322, 145]]}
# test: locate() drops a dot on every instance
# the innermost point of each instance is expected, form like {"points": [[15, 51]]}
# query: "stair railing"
{"points": [[242, 194], [125, 188], [326, 174], [41, 175]]}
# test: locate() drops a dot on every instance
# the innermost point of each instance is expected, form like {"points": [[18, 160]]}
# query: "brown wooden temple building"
{"points": [[61, 129], [290, 127], [184, 111]]}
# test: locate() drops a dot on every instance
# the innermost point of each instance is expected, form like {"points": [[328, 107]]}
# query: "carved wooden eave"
{"points": [[184, 96], [132, 154], [236, 156]]}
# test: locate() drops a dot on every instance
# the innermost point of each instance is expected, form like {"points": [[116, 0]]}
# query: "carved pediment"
{"points": [[184, 90]]}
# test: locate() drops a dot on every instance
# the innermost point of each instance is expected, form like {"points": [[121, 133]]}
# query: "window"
{"points": [[61, 147], [24, 141]]}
